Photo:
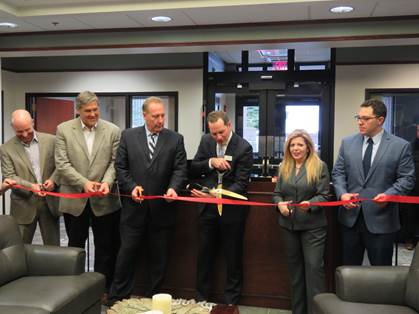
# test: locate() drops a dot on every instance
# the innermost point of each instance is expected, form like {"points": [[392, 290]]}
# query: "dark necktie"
{"points": [[152, 144], [366, 162]]}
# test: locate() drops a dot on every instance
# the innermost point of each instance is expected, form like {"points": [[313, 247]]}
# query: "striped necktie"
{"points": [[152, 144]]}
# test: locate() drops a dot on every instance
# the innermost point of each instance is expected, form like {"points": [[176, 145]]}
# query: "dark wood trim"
{"points": [[108, 70], [378, 62], [220, 26], [216, 42], [128, 97], [369, 91]]}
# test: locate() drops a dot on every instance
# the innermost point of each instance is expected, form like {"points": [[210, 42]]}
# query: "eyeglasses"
{"points": [[364, 119]]}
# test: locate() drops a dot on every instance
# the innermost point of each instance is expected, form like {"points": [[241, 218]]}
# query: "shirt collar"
{"points": [[229, 138], [148, 132], [34, 140], [84, 127], [376, 138]]}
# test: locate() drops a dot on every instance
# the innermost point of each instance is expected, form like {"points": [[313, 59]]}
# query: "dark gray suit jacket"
{"points": [[166, 170], [392, 172], [296, 189]]}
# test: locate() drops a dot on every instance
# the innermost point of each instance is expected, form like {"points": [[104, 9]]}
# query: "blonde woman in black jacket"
{"points": [[303, 178]]}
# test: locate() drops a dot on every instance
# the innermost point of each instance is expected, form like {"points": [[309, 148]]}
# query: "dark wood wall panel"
{"points": [[266, 281]]}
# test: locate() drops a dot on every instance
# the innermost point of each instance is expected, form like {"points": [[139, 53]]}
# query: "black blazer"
{"points": [[296, 189], [236, 180], [166, 170]]}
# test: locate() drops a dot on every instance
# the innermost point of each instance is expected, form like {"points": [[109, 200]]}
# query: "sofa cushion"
{"points": [[412, 285], [55, 294], [12, 253], [10, 309], [329, 303]]}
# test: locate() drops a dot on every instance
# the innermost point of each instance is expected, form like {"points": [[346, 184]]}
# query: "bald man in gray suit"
{"points": [[28, 159]]}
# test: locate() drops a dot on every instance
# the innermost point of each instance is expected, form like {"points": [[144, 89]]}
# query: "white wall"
{"points": [[188, 83], [351, 83]]}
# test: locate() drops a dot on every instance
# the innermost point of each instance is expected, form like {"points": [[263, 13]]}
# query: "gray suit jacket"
{"points": [[392, 172], [15, 165], [75, 168], [296, 189]]}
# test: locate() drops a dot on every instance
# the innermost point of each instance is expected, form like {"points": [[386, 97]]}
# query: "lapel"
{"points": [[212, 147], [78, 135], [99, 136], [382, 148], [143, 147], [231, 147], [301, 174], [357, 154], [22, 154], [42, 156], [161, 140]]}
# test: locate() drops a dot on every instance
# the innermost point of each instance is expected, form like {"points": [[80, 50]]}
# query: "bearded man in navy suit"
{"points": [[371, 164]]}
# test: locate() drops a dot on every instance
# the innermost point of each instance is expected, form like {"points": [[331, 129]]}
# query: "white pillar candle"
{"points": [[162, 302]]}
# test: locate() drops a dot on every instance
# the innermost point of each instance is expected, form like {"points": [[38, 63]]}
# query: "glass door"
{"points": [[265, 118]]}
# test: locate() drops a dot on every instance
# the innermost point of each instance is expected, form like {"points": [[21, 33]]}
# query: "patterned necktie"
{"points": [[366, 162], [152, 144]]}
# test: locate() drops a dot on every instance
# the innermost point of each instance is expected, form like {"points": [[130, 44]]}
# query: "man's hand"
{"points": [[91, 186], [137, 194], [380, 203], [304, 206], [347, 197], [220, 164], [48, 185], [39, 188], [104, 189], [170, 193], [7, 184], [284, 209], [201, 194]]}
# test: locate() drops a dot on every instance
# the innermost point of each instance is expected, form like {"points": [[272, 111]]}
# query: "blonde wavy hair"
{"points": [[313, 164]]}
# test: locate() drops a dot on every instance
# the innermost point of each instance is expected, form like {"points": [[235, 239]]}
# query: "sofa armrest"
{"points": [[47, 260], [372, 284]]}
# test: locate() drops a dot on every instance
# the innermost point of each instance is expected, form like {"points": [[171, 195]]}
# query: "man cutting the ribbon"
{"points": [[223, 160]]}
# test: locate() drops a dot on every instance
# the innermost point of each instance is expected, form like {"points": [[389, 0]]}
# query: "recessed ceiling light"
{"points": [[8, 24], [342, 9], [163, 19]]}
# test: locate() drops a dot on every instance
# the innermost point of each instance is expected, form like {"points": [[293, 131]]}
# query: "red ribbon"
{"points": [[226, 201]]}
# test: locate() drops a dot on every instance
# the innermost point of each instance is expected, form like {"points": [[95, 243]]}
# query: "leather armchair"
{"points": [[44, 279], [373, 289]]}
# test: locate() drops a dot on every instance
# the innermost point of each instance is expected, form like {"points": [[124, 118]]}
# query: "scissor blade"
{"points": [[228, 193]]}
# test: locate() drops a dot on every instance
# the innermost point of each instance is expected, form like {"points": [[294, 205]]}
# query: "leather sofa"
{"points": [[373, 290], [40, 279]]}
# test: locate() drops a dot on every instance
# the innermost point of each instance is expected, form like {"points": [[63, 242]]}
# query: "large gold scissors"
{"points": [[219, 192]]}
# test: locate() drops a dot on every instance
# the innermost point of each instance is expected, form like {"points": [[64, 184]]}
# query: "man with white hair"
{"points": [[28, 160], [84, 156]]}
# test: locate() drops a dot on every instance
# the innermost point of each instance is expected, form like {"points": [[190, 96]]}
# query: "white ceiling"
{"points": [[50, 15]]}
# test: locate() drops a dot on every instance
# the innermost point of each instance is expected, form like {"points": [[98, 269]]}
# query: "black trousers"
{"points": [[305, 252], [157, 248], [106, 238], [357, 239], [229, 237]]}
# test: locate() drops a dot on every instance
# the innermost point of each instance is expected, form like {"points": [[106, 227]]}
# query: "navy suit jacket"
{"points": [[392, 172], [166, 170], [235, 180]]}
